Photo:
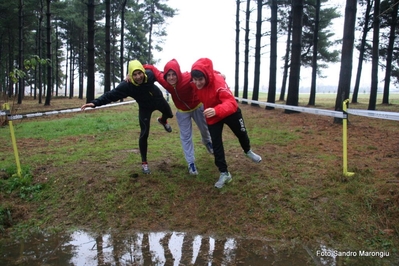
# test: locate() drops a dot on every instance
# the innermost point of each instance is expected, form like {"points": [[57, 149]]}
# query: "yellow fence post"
{"points": [[6, 107], [345, 140]]}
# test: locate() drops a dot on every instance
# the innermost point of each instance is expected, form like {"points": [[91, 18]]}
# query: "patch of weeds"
{"points": [[5, 218], [380, 241], [20, 185], [25, 230], [111, 198], [336, 177], [285, 173]]}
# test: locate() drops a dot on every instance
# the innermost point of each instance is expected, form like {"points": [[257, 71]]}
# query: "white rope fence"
{"points": [[337, 114], [315, 111], [65, 111], [298, 108]]}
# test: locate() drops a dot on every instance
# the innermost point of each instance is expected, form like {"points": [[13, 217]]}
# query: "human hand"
{"points": [[87, 105], [209, 112], [127, 78]]}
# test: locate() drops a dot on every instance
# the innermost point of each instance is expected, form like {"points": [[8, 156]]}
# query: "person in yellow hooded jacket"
{"points": [[149, 98]]}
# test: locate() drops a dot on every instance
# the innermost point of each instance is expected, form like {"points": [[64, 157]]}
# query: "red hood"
{"points": [[205, 65], [172, 65], [216, 93], [183, 93]]}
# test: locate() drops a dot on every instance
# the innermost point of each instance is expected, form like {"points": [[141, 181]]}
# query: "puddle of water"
{"points": [[163, 248]]}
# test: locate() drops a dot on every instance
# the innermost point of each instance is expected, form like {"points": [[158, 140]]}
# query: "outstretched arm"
{"points": [[159, 75]]}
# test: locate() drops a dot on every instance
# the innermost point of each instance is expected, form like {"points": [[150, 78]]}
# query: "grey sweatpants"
{"points": [[186, 131]]}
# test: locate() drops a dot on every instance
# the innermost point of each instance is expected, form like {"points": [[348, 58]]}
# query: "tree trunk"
{"points": [[114, 49], [122, 40], [66, 67], [361, 52], [271, 96], [10, 67], [56, 59], [107, 72], [81, 58], [150, 32], [258, 39], [287, 58], [90, 52], [375, 58], [388, 69], [72, 75], [81, 64], [49, 66], [21, 86], [345, 74], [293, 86], [237, 59], [312, 98], [39, 88], [246, 52]]}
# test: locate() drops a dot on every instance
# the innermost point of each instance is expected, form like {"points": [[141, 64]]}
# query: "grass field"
{"points": [[82, 170]]}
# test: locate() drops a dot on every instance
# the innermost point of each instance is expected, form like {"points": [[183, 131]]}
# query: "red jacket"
{"points": [[216, 93], [183, 93]]}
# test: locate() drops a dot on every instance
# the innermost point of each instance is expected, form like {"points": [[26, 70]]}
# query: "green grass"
{"points": [[74, 126]]}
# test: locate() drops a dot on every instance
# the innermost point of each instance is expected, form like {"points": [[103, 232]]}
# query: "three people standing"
{"points": [[202, 95]]}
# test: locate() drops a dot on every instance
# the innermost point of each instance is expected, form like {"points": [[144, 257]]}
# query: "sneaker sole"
{"points": [[254, 160]]}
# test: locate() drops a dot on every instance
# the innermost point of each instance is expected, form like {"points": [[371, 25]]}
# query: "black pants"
{"points": [[236, 124], [145, 119]]}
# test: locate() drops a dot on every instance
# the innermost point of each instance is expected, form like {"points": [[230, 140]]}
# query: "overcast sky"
{"points": [[206, 28], [201, 29]]}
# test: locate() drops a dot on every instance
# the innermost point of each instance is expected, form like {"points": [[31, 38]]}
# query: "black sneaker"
{"points": [[166, 126]]}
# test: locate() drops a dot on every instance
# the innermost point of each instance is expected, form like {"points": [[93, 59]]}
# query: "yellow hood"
{"points": [[133, 66]]}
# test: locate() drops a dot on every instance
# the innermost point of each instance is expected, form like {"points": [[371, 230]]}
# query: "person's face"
{"points": [[199, 82], [171, 77], [138, 76]]}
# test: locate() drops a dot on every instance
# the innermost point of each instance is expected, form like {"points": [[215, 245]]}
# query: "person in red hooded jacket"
{"points": [[179, 85], [220, 108]]}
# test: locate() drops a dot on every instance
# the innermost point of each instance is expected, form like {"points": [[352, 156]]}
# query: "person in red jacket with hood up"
{"points": [[220, 108], [184, 96]]}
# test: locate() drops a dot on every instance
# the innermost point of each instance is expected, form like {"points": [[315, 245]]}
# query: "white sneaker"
{"points": [[145, 168], [192, 170], [253, 156], [225, 178]]}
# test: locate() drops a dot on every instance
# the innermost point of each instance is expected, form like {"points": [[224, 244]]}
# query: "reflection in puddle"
{"points": [[171, 249], [156, 248]]}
